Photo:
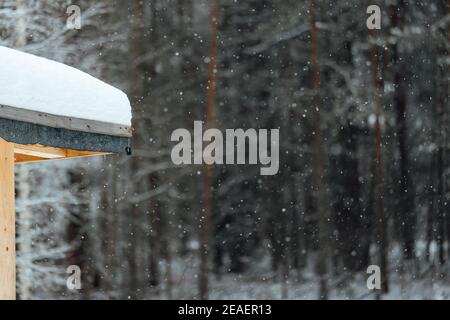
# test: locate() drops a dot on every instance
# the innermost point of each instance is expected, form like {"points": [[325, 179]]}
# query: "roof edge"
{"points": [[63, 122]]}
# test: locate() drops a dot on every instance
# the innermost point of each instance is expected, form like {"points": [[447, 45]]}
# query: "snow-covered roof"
{"points": [[43, 102], [37, 84]]}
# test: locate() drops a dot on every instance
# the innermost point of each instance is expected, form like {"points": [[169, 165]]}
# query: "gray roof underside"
{"points": [[28, 133]]}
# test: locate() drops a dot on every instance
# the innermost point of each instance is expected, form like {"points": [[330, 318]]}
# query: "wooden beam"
{"points": [[39, 151], [36, 153], [7, 223], [20, 158]]}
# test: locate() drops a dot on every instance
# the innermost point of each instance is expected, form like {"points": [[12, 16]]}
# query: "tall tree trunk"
{"points": [[352, 229], [109, 211], [377, 64], [445, 103], [319, 170], [155, 236], [441, 119], [155, 204], [137, 50], [406, 192], [206, 220]]}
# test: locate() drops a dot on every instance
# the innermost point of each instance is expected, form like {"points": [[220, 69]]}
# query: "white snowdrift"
{"points": [[38, 84]]}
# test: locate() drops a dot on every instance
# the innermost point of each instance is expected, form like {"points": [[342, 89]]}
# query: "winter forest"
{"points": [[364, 170]]}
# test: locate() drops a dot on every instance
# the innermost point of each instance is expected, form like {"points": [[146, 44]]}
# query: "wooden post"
{"points": [[7, 223]]}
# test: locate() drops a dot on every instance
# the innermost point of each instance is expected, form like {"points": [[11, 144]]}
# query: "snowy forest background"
{"points": [[364, 176]]}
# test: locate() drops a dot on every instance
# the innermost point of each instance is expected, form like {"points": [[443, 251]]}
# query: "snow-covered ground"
{"points": [[34, 83], [262, 283]]}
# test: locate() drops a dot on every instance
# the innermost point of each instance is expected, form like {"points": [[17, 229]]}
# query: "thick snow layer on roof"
{"points": [[38, 84]]}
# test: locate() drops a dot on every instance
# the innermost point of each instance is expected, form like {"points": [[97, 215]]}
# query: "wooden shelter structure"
{"points": [[37, 125]]}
